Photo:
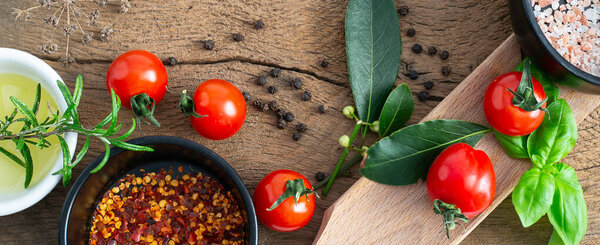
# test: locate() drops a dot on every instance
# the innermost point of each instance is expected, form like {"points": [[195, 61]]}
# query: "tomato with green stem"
{"points": [[461, 184], [140, 80]]}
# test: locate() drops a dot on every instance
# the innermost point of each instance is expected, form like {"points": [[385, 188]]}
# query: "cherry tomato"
{"points": [[462, 176], [288, 216], [223, 108], [503, 115]]}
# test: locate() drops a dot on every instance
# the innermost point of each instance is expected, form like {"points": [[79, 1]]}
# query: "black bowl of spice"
{"points": [[182, 193], [562, 39]]}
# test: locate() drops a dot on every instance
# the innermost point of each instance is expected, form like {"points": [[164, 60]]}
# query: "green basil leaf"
{"points": [[396, 111], [568, 213], [405, 156], [514, 146], [532, 196], [551, 90], [555, 239], [373, 48], [555, 137]]}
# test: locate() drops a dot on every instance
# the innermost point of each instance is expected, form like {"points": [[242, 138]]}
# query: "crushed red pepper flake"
{"points": [[161, 208]]}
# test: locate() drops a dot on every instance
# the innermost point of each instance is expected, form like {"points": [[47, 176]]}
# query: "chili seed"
{"points": [[272, 89], [275, 72], [323, 109], [446, 70], [411, 32], [281, 123], [273, 105], [247, 96], [413, 75], [417, 48], [172, 61], [444, 55], [297, 83], [259, 24], [261, 81], [320, 176], [238, 37], [301, 127], [209, 44], [324, 63], [432, 50], [289, 117], [306, 96], [296, 136], [423, 95], [403, 10], [428, 85]]}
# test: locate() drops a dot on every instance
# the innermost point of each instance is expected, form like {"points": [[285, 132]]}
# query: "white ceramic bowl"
{"points": [[16, 61]]}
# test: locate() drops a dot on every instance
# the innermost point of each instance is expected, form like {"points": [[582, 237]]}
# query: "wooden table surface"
{"points": [[297, 36]]}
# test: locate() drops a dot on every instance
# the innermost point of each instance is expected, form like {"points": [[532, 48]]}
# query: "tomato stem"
{"points": [[186, 104], [142, 106], [524, 97], [342, 158], [294, 189], [450, 215]]}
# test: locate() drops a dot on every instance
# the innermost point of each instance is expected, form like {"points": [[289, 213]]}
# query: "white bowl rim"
{"points": [[48, 77]]}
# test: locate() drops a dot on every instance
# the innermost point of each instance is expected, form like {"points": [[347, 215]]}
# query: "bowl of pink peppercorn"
{"points": [[562, 37]]}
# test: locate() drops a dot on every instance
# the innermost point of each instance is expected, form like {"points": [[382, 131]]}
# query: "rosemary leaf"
{"points": [[71, 110], [36, 102], [78, 90], [24, 109], [82, 152], [129, 132], [13, 157], [104, 160], [132, 147], [28, 164]]}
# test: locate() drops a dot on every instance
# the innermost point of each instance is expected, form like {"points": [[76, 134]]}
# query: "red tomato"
{"points": [[136, 72], [223, 107], [288, 216], [462, 176], [503, 115]]}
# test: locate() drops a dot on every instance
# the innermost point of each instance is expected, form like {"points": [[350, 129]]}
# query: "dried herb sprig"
{"points": [[35, 133]]}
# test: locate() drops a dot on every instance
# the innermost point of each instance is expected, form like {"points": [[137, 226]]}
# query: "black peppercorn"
{"points": [[209, 44], [272, 89], [261, 81], [320, 176], [428, 85], [238, 37], [275, 72], [423, 95], [411, 32], [301, 127], [403, 10], [258, 104], [446, 70], [281, 123], [289, 117], [413, 75], [323, 109], [296, 136], [432, 50], [273, 105], [306, 96], [297, 83], [259, 24], [172, 61], [417, 48], [444, 55], [247, 96], [324, 63]]}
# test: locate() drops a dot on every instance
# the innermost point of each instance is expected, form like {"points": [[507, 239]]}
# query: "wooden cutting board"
{"points": [[372, 213]]}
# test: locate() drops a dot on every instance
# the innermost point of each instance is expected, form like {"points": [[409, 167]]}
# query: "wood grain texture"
{"points": [[372, 213], [296, 37]]}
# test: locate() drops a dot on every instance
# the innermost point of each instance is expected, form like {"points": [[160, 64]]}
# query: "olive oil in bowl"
{"points": [[12, 175]]}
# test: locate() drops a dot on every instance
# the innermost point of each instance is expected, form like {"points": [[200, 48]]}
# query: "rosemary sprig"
{"points": [[36, 133]]}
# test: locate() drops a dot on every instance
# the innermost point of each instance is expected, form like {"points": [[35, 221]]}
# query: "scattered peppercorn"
{"points": [[281, 123], [280, 113], [297, 83], [273, 105], [272, 89], [247, 96], [259, 25], [306, 96], [417, 48], [172, 61], [444, 55], [275, 72], [423, 95], [413, 75], [261, 81], [446, 70], [320, 176], [428, 85], [403, 10], [301, 127], [238, 37], [209, 44], [432, 50], [324, 63], [296, 136], [323, 109], [289, 117], [411, 32], [258, 104]]}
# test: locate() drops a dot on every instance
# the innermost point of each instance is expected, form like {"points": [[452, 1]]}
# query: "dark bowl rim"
{"points": [[588, 77], [153, 140]]}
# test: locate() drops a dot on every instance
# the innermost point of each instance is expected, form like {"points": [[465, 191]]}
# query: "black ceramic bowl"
{"points": [[535, 45], [168, 151]]}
